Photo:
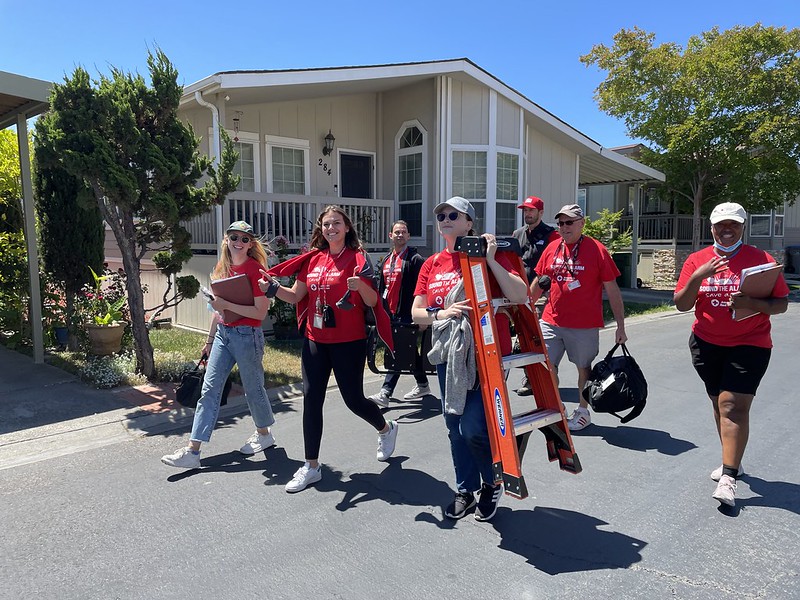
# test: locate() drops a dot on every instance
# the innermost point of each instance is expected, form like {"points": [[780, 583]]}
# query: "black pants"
{"points": [[347, 360]]}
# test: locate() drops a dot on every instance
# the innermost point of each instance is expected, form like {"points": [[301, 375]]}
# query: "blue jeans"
{"points": [[243, 346], [469, 440]]}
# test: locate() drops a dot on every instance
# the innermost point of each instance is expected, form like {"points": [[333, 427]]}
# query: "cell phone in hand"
{"points": [[207, 293]]}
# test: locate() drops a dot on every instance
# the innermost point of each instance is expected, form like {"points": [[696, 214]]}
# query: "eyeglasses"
{"points": [[453, 216], [234, 237], [567, 223]]}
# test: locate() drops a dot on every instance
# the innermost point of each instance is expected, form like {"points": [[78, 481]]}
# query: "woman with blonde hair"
{"points": [[332, 289], [238, 342]]}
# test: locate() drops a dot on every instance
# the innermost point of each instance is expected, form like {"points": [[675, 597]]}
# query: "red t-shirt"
{"points": [[250, 268], [441, 272], [392, 277], [325, 277], [713, 322], [577, 273]]}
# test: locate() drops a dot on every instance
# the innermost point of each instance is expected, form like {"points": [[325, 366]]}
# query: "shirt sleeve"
{"points": [[422, 281]]}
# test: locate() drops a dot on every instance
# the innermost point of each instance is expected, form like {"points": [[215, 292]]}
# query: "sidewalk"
{"points": [[46, 412]]}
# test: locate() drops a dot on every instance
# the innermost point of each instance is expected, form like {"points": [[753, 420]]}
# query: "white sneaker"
{"points": [[580, 419], [182, 459], [717, 473], [419, 391], [303, 477], [381, 398], [257, 443], [726, 490], [386, 441]]}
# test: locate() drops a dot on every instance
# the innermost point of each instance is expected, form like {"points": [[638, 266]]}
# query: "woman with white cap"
{"points": [[436, 303], [236, 342], [730, 356]]}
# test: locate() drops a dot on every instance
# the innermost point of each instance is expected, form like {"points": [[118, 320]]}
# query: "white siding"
{"points": [[550, 172], [470, 114], [508, 131]]}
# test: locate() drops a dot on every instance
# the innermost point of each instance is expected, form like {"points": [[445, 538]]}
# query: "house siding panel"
{"points": [[470, 114], [550, 172], [508, 133]]}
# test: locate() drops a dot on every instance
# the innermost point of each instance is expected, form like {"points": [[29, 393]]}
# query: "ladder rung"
{"points": [[520, 360], [503, 301], [535, 419]]}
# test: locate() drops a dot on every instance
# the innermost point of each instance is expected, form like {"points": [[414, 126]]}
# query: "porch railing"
{"points": [[293, 217], [666, 229]]}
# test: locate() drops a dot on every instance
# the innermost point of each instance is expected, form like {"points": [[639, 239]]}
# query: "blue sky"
{"points": [[532, 46]]}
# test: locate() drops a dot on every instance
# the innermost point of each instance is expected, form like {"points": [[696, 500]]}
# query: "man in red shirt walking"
{"points": [[533, 238], [580, 268], [398, 273]]}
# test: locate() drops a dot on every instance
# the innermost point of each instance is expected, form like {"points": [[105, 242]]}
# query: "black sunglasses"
{"points": [[453, 216], [567, 223], [234, 237]]}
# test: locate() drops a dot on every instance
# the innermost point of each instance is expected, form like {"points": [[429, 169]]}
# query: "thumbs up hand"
{"points": [[353, 282]]}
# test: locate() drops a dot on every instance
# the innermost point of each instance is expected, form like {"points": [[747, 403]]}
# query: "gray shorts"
{"points": [[581, 345]]}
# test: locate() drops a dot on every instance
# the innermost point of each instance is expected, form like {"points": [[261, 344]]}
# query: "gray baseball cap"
{"points": [[460, 204]]}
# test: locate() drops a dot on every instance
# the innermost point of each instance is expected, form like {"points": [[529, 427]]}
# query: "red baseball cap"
{"points": [[532, 202]]}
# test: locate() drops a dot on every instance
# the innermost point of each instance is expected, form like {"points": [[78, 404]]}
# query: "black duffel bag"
{"points": [[189, 389], [616, 383]]}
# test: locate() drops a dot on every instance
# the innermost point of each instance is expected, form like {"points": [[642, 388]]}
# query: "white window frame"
{"points": [[772, 216], [515, 201], [277, 141], [490, 178], [248, 137], [423, 149]]}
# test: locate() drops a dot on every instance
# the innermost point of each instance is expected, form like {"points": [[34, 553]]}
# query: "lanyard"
{"points": [[567, 261]]}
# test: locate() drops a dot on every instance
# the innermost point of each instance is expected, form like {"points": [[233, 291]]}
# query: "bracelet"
{"points": [[211, 341], [436, 314]]}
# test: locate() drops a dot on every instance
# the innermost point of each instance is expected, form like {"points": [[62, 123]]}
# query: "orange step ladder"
{"points": [[509, 433]]}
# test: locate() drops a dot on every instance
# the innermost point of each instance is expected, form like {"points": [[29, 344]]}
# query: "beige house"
{"points": [[385, 142]]}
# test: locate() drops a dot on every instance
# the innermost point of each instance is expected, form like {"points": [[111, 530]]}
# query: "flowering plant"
{"points": [[102, 309]]}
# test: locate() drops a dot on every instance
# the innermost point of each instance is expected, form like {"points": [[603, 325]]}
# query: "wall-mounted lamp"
{"points": [[328, 147], [236, 117]]}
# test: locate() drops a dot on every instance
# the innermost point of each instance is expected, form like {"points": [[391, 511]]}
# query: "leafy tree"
{"points": [[604, 229], [721, 117], [123, 139], [13, 253], [68, 219]]}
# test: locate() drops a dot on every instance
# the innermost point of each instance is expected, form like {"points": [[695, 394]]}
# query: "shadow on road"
{"points": [[771, 494], [638, 438], [564, 541], [416, 411]]}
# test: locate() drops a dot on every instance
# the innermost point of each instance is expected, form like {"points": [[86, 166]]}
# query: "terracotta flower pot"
{"points": [[105, 339]]}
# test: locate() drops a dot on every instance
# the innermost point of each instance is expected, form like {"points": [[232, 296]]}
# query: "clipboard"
{"points": [[236, 289], [756, 282]]}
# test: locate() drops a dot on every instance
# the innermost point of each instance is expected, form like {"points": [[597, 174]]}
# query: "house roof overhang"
{"points": [[597, 164], [21, 96]]}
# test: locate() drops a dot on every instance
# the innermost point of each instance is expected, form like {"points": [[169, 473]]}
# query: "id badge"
{"points": [[318, 321], [573, 285]]}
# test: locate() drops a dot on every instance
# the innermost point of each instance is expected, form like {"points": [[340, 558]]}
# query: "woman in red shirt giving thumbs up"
{"points": [[332, 288]]}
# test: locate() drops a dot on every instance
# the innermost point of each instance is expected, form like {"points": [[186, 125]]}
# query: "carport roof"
{"points": [[21, 95]]}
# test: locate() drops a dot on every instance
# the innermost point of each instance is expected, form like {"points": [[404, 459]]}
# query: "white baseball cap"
{"points": [[728, 211]]}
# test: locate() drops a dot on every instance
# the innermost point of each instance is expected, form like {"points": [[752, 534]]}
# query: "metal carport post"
{"points": [[22, 98]]}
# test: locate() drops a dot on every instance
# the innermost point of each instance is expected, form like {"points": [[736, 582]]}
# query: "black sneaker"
{"points": [[488, 499], [462, 503]]}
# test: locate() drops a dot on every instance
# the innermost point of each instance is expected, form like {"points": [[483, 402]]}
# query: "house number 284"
{"points": [[325, 167]]}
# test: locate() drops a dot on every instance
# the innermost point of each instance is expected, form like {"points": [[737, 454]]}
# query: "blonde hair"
{"points": [[258, 251]]}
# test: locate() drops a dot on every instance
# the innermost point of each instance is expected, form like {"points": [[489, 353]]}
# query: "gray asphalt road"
{"points": [[639, 522]]}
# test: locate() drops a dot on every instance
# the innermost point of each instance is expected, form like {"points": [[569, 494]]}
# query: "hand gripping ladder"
{"points": [[509, 433]]}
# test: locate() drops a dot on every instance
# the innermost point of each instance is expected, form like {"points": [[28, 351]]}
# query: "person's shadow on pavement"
{"points": [[564, 541], [772, 494], [637, 438]]}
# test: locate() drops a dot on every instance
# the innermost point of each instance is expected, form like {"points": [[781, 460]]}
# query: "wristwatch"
{"points": [[433, 311]]}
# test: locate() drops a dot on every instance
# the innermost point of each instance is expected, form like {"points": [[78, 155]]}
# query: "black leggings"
{"points": [[347, 360]]}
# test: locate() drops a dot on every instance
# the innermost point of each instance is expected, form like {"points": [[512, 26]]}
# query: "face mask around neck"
{"points": [[726, 249]]}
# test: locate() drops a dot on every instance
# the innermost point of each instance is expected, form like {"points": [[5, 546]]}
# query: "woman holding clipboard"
{"points": [[235, 339], [731, 355]]}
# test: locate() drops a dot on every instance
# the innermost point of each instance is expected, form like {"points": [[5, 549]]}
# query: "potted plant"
{"points": [[105, 324]]}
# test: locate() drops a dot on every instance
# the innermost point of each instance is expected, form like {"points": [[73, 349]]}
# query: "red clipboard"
{"points": [[757, 282], [236, 289]]}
